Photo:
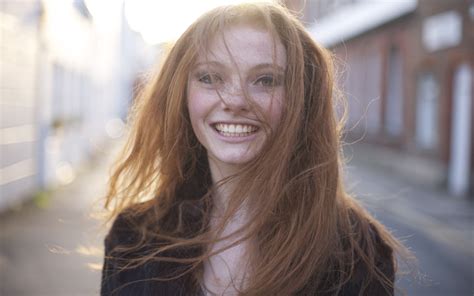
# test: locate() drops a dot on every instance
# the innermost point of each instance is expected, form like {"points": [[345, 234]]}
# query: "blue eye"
{"points": [[205, 79], [267, 81], [209, 78]]}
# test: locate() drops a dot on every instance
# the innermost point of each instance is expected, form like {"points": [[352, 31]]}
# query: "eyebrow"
{"points": [[256, 67], [269, 65]]}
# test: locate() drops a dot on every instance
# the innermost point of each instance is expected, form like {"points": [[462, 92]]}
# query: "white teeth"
{"points": [[239, 130]]}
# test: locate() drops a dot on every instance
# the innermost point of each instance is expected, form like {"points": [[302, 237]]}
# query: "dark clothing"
{"points": [[141, 280]]}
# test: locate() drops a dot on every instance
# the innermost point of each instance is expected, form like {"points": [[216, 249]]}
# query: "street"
{"points": [[437, 228], [54, 247]]}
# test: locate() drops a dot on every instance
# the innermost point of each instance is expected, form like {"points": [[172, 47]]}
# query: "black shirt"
{"points": [[142, 280]]}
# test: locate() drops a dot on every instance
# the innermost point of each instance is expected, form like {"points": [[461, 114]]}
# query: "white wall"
{"points": [[18, 89]]}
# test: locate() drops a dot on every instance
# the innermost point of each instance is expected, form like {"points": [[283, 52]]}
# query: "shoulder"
{"points": [[125, 272], [376, 238], [370, 234], [125, 229], [142, 225], [384, 257], [374, 274]]}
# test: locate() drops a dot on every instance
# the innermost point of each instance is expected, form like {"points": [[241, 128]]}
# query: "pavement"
{"points": [[444, 217], [434, 225], [53, 246]]}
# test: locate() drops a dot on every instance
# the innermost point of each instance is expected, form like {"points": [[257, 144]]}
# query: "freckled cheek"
{"points": [[194, 107], [273, 107], [200, 104]]}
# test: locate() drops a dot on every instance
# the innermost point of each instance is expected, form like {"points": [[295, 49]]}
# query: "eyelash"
{"points": [[267, 81], [208, 78]]}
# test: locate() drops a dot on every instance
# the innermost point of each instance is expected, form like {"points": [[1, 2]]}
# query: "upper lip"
{"points": [[234, 122]]}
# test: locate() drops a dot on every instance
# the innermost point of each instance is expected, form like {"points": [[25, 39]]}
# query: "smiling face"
{"points": [[235, 94]]}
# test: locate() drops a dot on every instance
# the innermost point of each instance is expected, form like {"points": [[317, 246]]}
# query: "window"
{"points": [[394, 96], [427, 102]]}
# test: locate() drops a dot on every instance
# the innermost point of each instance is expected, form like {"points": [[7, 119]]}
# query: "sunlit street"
{"points": [[74, 74]]}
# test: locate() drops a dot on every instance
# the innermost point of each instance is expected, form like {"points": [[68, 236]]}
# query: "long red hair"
{"points": [[303, 225]]}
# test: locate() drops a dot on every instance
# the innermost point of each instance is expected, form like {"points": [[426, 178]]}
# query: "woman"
{"points": [[230, 183]]}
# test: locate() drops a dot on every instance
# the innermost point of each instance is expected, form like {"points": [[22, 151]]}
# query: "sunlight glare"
{"points": [[106, 13], [160, 22]]}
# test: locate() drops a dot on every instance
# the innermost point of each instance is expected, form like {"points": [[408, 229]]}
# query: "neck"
{"points": [[220, 172]]}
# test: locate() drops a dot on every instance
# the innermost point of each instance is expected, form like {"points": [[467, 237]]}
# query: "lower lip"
{"points": [[236, 139]]}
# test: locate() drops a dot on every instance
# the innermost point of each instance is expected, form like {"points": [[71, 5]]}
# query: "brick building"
{"points": [[406, 69]]}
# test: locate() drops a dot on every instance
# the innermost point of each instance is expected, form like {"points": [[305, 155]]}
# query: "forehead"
{"points": [[245, 45]]}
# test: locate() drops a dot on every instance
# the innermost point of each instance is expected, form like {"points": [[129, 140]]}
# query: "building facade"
{"points": [[66, 81], [18, 88], [406, 68]]}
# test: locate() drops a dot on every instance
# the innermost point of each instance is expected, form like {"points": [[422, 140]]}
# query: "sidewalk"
{"points": [[443, 217], [54, 246]]}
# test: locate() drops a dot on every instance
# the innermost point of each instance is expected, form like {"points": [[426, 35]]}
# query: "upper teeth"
{"points": [[235, 128]]}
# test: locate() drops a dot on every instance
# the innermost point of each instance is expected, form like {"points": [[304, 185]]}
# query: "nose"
{"points": [[234, 99]]}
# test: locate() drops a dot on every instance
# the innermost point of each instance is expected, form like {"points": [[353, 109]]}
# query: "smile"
{"points": [[235, 130]]}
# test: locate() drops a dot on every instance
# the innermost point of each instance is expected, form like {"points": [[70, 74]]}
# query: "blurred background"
{"points": [[69, 70]]}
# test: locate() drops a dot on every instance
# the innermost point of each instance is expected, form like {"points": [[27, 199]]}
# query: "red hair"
{"points": [[303, 225]]}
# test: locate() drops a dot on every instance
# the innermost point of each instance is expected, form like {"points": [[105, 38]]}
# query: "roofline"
{"points": [[353, 20]]}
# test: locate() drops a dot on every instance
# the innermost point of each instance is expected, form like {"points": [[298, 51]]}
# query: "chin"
{"points": [[234, 159]]}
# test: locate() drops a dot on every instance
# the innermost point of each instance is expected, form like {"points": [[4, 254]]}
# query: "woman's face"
{"points": [[223, 119]]}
